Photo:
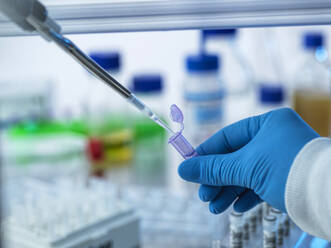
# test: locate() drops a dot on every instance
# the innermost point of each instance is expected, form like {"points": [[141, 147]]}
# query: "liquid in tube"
{"points": [[315, 109]]}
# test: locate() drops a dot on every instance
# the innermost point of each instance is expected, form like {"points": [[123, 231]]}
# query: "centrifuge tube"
{"points": [[269, 231], [246, 226], [259, 212], [236, 230], [265, 209], [286, 225], [280, 228], [253, 219], [178, 141]]}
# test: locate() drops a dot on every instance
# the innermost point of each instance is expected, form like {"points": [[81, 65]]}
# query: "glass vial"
{"points": [[246, 231], [203, 96], [253, 218], [269, 231], [280, 225], [287, 225], [236, 230], [149, 138], [312, 94], [265, 209]]}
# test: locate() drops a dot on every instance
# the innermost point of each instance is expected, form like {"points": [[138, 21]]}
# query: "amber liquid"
{"points": [[315, 109]]}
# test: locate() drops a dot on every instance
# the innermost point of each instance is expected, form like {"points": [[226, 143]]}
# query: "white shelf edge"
{"points": [[145, 15]]}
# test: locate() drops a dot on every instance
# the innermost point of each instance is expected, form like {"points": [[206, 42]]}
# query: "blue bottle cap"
{"points": [[147, 83], [271, 94], [218, 32], [313, 40], [202, 62], [107, 60]]}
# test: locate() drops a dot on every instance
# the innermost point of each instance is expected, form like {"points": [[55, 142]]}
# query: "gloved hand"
{"points": [[248, 161]]}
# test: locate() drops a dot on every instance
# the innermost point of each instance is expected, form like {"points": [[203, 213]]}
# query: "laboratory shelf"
{"points": [[90, 16]]}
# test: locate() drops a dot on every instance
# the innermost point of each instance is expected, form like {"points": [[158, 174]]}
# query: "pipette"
{"points": [[31, 15], [69, 47]]}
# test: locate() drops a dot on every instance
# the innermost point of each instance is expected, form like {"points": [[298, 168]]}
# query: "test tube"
{"points": [[287, 225], [259, 212], [280, 225], [246, 230], [220, 226], [236, 230], [253, 219], [269, 231], [265, 209]]}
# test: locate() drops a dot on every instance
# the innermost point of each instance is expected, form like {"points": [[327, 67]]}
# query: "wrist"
{"points": [[298, 183]]}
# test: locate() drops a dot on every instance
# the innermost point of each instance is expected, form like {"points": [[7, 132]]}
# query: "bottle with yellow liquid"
{"points": [[312, 93]]}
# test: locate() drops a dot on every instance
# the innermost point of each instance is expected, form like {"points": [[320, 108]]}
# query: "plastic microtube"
{"points": [[184, 148], [280, 225], [259, 211], [253, 219], [265, 209], [246, 226], [220, 229], [286, 225], [236, 230], [178, 141], [269, 231]]}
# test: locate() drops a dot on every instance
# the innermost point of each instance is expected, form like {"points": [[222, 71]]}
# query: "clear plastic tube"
{"points": [[280, 225], [269, 231], [246, 226], [253, 219], [265, 209], [287, 225], [236, 230]]}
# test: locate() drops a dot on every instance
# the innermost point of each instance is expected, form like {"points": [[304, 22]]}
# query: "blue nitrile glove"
{"points": [[248, 161]]}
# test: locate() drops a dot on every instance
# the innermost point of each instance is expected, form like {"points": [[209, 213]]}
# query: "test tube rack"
{"points": [[45, 215], [179, 219]]}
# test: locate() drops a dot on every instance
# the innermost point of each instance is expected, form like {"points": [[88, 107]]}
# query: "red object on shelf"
{"points": [[95, 150]]}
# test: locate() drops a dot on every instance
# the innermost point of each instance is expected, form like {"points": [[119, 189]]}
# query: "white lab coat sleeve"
{"points": [[308, 189]]}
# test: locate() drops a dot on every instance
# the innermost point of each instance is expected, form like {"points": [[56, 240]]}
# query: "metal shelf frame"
{"points": [[93, 16]]}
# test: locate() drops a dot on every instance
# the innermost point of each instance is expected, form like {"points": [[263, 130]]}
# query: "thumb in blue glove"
{"points": [[248, 161]]}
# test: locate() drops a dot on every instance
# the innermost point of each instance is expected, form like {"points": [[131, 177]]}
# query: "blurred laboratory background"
{"points": [[83, 168]]}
